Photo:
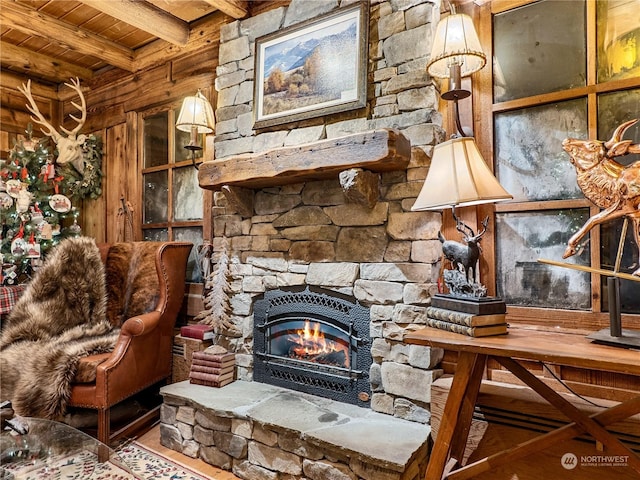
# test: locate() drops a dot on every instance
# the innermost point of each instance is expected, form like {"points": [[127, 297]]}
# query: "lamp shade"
{"points": [[455, 42], [196, 112], [458, 176]]}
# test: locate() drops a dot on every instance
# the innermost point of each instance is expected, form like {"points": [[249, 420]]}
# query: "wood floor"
{"points": [[151, 440]]}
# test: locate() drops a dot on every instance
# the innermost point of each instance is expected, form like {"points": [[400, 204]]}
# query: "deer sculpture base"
{"points": [[458, 285]]}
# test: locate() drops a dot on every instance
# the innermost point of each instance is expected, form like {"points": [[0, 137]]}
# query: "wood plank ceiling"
{"points": [[50, 41]]}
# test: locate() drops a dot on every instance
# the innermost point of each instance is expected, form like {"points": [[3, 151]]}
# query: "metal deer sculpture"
{"points": [[69, 147], [464, 254], [607, 183]]}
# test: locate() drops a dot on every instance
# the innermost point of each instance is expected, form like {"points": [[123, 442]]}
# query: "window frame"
{"points": [[591, 319], [171, 109]]}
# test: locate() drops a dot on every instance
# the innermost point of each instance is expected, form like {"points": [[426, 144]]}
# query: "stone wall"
{"points": [[387, 257]]}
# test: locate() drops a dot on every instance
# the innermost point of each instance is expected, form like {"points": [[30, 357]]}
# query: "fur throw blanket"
{"points": [[60, 318]]}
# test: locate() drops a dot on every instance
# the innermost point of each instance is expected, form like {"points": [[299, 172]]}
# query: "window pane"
{"points": [[156, 235], [156, 140], [539, 48], [613, 110], [523, 238], [616, 108], [193, 235], [530, 162], [156, 197], [629, 262], [187, 195], [618, 39]]}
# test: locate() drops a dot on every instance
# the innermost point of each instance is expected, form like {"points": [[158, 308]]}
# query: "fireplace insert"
{"points": [[315, 341]]}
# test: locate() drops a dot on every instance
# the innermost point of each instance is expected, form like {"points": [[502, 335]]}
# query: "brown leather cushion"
{"points": [[132, 281], [87, 366]]}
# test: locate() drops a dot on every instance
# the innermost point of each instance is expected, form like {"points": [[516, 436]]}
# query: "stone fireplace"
{"points": [[323, 207]]}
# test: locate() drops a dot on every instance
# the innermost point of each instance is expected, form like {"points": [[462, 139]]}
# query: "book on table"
{"points": [[474, 305], [466, 319], [213, 360], [211, 380], [198, 331], [481, 331], [208, 383], [213, 370]]}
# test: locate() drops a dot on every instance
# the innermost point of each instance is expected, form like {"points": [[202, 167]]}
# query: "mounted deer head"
{"points": [[607, 183], [69, 147]]}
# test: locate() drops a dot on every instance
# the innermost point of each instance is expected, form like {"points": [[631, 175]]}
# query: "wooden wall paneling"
{"points": [[115, 178], [14, 116], [5, 143], [198, 63], [133, 167], [93, 211]]}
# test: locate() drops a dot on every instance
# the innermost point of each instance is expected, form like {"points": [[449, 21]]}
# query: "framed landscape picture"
{"points": [[312, 69]]}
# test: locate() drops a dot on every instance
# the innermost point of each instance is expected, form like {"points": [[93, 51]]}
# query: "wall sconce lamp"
{"points": [[196, 117], [458, 175], [456, 53]]}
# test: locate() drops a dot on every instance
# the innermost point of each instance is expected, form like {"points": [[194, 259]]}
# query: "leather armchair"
{"points": [[145, 290]]}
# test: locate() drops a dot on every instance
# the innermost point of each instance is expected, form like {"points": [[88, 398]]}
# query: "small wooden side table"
{"points": [[532, 345]]}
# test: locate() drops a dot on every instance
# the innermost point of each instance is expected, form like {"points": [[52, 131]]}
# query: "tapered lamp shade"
{"points": [[458, 177], [196, 112], [455, 42]]}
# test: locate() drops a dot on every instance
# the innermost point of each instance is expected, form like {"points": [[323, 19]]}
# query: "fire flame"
{"points": [[311, 342]]}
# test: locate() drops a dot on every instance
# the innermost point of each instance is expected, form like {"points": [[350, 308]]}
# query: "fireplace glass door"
{"points": [[313, 341]]}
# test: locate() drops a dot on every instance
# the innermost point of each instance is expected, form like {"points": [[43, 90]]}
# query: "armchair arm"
{"points": [[141, 324]]}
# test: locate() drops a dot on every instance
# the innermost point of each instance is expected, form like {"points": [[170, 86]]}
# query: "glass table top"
{"points": [[53, 450]]}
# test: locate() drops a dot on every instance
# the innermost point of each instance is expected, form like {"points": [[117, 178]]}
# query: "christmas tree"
{"points": [[37, 202]]}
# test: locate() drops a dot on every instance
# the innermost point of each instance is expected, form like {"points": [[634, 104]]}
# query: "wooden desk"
{"points": [[522, 344]]}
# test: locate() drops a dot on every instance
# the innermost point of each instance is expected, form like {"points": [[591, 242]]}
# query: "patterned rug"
{"points": [[143, 463]]}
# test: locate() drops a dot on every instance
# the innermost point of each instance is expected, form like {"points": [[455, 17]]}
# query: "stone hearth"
{"points": [[263, 432]]}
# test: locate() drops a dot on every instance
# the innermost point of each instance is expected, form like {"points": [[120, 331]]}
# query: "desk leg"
{"points": [[607, 417], [589, 425], [456, 418]]}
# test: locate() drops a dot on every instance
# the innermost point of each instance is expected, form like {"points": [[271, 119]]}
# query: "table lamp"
{"points": [[458, 175]]}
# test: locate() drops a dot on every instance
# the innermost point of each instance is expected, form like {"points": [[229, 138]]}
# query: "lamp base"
{"points": [[459, 285], [626, 339]]}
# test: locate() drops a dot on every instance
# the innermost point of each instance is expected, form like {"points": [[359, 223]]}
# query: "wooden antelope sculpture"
{"points": [[69, 147], [607, 183]]}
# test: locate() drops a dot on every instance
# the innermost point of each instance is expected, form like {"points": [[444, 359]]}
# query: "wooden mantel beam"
{"points": [[377, 150], [234, 8], [31, 21], [146, 17]]}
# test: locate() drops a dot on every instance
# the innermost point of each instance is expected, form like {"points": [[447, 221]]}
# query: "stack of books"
{"points": [[472, 317], [212, 367]]}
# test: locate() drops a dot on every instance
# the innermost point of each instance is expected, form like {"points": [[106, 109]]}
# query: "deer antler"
{"points": [[617, 134], [37, 117], [462, 227], [485, 222], [75, 85]]}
